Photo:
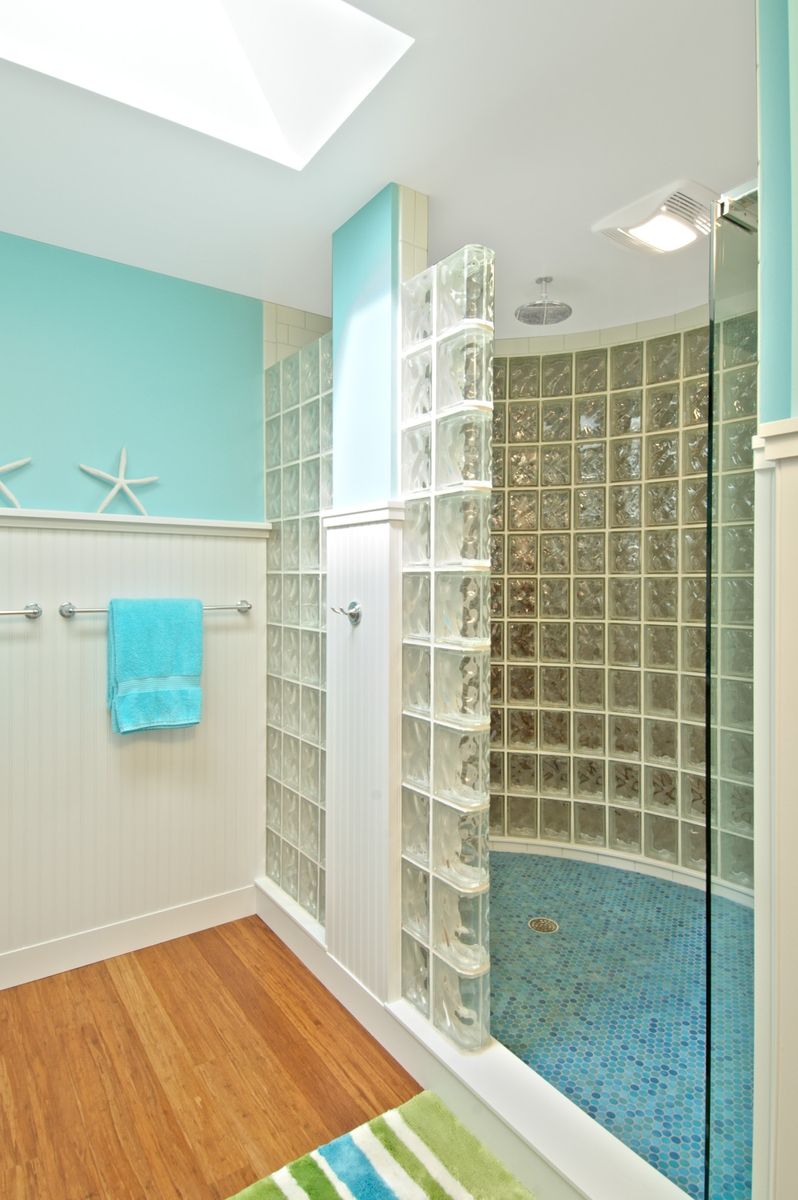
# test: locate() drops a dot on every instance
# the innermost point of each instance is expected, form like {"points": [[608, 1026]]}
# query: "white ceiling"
{"points": [[523, 120]]}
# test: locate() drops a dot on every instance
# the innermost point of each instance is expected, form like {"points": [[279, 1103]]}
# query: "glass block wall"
{"points": [[598, 593], [447, 319], [298, 486]]}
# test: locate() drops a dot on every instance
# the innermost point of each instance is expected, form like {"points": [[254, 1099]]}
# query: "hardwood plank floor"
{"points": [[186, 1070]]}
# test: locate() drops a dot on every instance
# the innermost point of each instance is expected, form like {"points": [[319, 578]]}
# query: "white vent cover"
{"points": [[688, 203]]}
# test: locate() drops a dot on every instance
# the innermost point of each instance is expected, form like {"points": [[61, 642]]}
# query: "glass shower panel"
{"points": [[733, 402], [447, 322]]}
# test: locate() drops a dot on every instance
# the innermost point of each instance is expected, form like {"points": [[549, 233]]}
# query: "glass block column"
{"points": [[447, 365], [298, 486]]}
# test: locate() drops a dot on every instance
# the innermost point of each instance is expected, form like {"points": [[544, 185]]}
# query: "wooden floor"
{"points": [[189, 1069]]}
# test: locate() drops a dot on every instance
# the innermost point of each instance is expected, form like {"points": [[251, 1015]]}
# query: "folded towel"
{"points": [[154, 664]]}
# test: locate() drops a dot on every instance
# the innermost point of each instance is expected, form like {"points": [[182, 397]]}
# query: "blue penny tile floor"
{"points": [[611, 1008]]}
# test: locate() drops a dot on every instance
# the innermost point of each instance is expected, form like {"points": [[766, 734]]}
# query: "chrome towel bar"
{"points": [[68, 609], [31, 611]]}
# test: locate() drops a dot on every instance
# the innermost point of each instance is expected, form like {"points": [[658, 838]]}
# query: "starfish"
{"points": [[120, 482], [12, 466]]}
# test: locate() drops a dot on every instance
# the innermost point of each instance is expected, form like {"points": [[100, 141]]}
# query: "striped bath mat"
{"points": [[419, 1151]]}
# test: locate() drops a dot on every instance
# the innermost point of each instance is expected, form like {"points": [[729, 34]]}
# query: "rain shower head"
{"points": [[543, 311]]}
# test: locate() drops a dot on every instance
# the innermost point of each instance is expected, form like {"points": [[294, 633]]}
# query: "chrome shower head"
{"points": [[543, 311]]}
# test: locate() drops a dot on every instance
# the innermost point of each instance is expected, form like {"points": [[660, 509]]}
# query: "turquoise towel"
{"points": [[154, 664]]}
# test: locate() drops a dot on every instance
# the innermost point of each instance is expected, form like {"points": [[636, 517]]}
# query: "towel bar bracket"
{"points": [[31, 611]]}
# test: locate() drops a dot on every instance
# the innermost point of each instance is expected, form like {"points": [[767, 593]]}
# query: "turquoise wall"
{"points": [[95, 356], [365, 285], [778, 198]]}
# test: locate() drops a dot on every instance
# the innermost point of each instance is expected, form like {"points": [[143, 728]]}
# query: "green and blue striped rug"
{"points": [[419, 1151]]}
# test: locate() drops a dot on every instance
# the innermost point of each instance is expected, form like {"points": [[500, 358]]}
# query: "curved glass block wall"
{"points": [[298, 486], [447, 324]]}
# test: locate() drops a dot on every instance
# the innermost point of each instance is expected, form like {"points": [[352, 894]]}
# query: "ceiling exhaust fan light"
{"points": [[663, 233]]}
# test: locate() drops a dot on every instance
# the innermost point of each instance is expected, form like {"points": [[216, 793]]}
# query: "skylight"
{"points": [[276, 77]]}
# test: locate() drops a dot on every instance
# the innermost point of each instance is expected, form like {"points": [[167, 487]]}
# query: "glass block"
{"points": [[416, 532], [624, 690], [737, 601], [273, 856], [555, 420], [557, 374], [416, 384], [415, 679], [497, 511], [522, 773], [662, 551], [695, 401], [661, 599], [290, 870], [589, 732], [521, 597], [460, 766], [290, 436], [497, 597], [523, 422], [740, 340], [415, 900], [498, 429], [309, 768], [416, 460], [497, 639], [693, 755], [554, 597], [497, 684], [524, 377], [290, 501], [499, 379], [290, 769], [737, 860], [496, 817], [555, 641], [309, 488], [462, 449], [460, 846], [497, 727], [588, 687], [522, 466], [310, 656], [693, 649], [661, 698], [290, 381], [693, 697], [737, 497], [555, 685], [291, 599], [739, 389], [522, 510], [737, 651], [626, 413], [521, 685], [737, 807], [625, 459], [274, 495], [272, 393], [522, 640], [624, 736], [290, 538], [461, 607], [626, 365], [417, 307], [522, 553], [461, 686], [590, 417], [661, 742], [309, 594], [311, 715], [663, 358], [737, 755], [694, 797], [460, 1006], [416, 605], [273, 443], [415, 973], [694, 501], [624, 783], [291, 706], [694, 550], [588, 598], [695, 452], [496, 766], [309, 829], [555, 465], [325, 482], [662, 407], [415, 752], [465, 374], [591, 371], [624, 597], [661, 791], [291, 654], [589, 642], [554, 730], [326, 362], [274, 700], [555, 820], [589, 778], [625, 510], [496, 543], [589, 553], [737, 452], [521, 728], [522, 816], [694, 847], [696, 351], [661, 646], [590, 464], [555, 774], [555, 553], [624, 831], [465, 286], [589, 827], [309, 371], [555, 509], [623, 645], [274, 548], [310, 544], [661, 838], [662, 456], [589, 508]]}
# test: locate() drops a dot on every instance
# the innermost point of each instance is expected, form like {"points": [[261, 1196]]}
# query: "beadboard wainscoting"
{"points": [[109, 842]]}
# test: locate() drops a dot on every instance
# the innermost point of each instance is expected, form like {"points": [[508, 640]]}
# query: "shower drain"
{"points": [[543, 925]]}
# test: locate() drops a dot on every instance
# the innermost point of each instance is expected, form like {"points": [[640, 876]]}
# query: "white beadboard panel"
{"points": [[363, 738], [98, 828]]}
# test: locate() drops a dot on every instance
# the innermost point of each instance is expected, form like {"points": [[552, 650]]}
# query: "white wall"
{"points": [[98, 829]]}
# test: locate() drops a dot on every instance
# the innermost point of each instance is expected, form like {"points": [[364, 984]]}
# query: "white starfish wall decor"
{"points": [[120, 483], [6, 470]]}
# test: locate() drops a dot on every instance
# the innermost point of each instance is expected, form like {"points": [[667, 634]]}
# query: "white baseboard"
{"points": [[107, 941], [555, 1149]]}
